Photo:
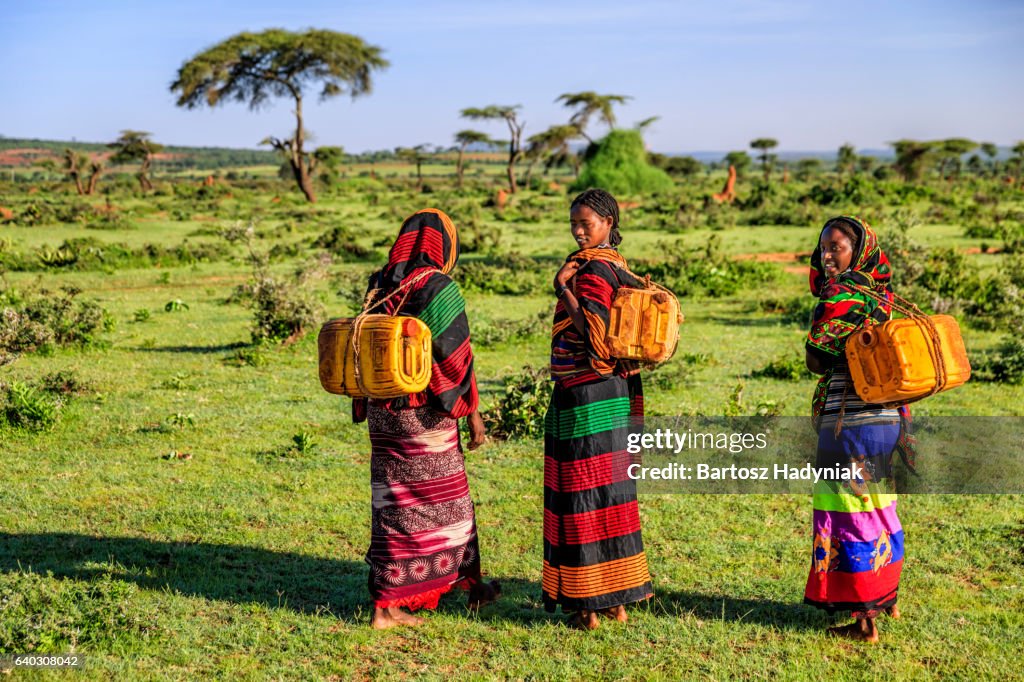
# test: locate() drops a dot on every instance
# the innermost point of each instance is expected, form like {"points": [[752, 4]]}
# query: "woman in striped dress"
{"points": [[594, 561], [423, 536], [857, 552]]}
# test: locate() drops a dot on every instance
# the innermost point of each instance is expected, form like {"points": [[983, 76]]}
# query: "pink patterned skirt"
{"points": [[423, 539]]}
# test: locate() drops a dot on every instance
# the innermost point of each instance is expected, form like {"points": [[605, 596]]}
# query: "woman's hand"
{"points": [[477, 431], [566, 273]]}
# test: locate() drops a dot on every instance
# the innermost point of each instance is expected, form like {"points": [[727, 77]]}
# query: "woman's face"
{"points": [[836, 251], [588, 228]]}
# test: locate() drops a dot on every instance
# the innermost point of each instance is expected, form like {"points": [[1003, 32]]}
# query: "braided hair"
{"points": [[603, 204]]}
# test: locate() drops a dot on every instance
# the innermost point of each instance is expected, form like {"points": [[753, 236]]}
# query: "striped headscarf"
{"points": [[428, 240]]}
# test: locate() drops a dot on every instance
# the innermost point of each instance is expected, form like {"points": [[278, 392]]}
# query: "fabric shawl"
{"points": [[842, 309], [594, 286], [428, 241]]}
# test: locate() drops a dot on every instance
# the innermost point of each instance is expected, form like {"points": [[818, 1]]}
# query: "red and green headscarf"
{"points": [[842, 308], [428, 241]]}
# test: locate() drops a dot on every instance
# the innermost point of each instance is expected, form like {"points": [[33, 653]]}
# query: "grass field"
{"points": [[243, 559]]}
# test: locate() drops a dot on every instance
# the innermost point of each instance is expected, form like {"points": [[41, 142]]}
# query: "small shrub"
{"points": [[28, 408], [283, 311], [1004, 364], [795, 310], [519, 413], [141, 315], [785, 369], [179, 420], [64, 383], [177, 305], [252, 357]]}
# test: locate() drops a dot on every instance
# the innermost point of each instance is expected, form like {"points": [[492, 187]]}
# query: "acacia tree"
{"points": [[950, 151], [464, 138], [255, 67], [75, 166], [991, 151], [763, 144], [515, 129], [415, 155], [552, 146], [846, 159], [135, 145], [589, 103], [911, 158], [1017, 160], [739, 160]]}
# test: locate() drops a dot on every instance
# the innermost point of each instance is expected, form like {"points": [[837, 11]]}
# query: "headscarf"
{"points": [[842, 309], [428, 241]]}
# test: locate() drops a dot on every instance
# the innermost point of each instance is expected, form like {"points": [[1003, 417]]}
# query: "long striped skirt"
{"points": [[857, 555], [423, 539], [593, 553]]}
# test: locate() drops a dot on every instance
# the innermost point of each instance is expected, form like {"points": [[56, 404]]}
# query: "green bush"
{"points": [[41, 320], [1005, 364], [618, 163], [704, 270], [785, 369], [519, 413], [25, 407]]}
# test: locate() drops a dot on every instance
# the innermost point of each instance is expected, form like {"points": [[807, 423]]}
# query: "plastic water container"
{"points": [[394, 356], [895, 362], [643, 325]]}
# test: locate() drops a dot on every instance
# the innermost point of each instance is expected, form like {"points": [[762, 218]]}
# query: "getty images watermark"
{"points": [[697, 454], [668, 440]]}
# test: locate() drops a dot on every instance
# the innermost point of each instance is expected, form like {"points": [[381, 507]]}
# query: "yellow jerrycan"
{"points": [[643, 322], [904, 360], [376, 355]]}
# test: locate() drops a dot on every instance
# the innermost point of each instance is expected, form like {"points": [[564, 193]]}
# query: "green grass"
{"points": [[245, 561]]}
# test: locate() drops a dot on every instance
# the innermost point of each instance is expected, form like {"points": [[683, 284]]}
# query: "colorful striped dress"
{"points": [[423, 536], [857, 550], [593, 551]]}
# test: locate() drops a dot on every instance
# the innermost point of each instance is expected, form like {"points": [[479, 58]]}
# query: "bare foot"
{"points": [[585, 620], [616, 613], [893, 612], [861, 630], [391, 617], [483, 594]]}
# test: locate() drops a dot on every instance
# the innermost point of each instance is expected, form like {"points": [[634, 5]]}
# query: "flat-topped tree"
{"points": [[911, 158], [589, 103], [256, 67], [763, 144], [135, 145], [950, 151], [464, 138], [552, 147], [416, 156], [515, 129]]}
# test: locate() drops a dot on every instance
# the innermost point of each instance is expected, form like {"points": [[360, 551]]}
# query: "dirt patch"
{"points": [[779, 257]]}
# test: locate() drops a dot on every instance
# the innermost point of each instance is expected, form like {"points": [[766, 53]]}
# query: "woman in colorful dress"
{"points": [[858, 540], [594, 561], [423, 539]]}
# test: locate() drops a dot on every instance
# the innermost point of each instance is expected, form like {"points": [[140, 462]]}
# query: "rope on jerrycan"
{"points": [[923, 322], [369, 304]]}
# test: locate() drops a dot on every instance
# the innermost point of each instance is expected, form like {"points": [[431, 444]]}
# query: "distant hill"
{"points": [[24, 152]]}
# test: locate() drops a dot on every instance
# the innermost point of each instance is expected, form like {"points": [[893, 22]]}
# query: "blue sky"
{"points": [[811, 74]]}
